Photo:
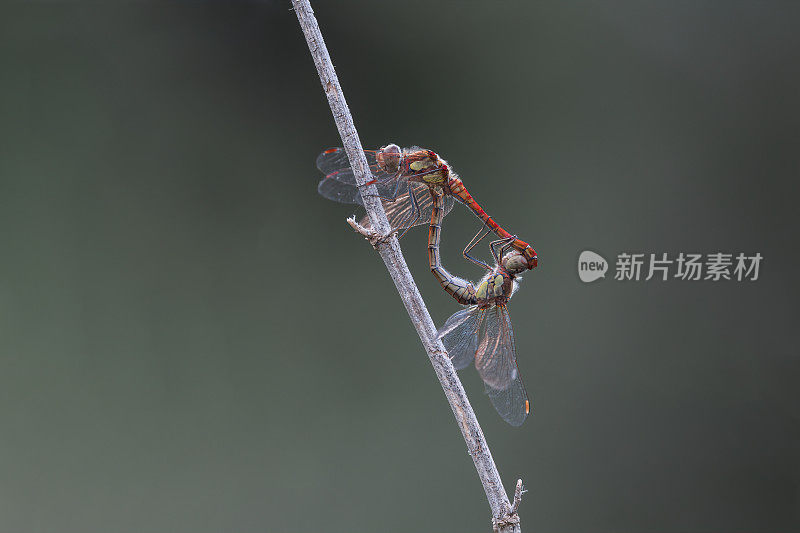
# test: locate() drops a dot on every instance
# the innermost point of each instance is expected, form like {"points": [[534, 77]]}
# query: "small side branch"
{"points": [[374, 238], [511, 519], [504, 517], [517, 497]]}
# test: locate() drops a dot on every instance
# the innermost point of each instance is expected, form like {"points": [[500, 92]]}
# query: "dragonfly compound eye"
{"points": [[389, 158]]}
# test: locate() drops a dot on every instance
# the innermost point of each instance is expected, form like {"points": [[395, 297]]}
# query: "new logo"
{"points": [[591, 266]]}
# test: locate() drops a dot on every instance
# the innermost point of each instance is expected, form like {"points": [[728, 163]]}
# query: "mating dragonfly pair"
{"points": [[419, 187]]}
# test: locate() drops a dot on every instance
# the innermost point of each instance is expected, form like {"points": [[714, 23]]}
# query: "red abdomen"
{"points": [[457, 189]]}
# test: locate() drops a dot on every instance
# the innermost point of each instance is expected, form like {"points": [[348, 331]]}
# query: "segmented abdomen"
{"points": [[460, 289]]}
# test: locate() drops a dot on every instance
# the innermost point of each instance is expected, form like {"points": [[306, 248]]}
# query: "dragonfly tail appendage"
{"points": [[458, 190]]}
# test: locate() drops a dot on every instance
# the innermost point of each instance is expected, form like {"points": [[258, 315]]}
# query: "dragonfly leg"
{"points": [[482, 233], [416, 212], [506, 243]]}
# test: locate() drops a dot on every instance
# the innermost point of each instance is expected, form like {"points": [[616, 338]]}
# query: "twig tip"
{"points": [[518, 492]]}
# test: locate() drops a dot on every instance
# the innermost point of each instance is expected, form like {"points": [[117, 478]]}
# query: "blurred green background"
{"points": [[192, 340]]}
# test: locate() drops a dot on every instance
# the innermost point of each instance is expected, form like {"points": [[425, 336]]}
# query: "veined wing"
{"points": [[334, 164], [339, 183], [460, 335], [401, 212], [496, 362], [339, 192]]}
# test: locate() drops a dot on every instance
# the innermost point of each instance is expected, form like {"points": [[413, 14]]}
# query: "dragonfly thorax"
{"points": [[426, 166], [495, 288]]}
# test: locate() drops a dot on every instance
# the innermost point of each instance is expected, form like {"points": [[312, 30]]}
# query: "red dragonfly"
{"points": [[404, 178], [482, 332]]}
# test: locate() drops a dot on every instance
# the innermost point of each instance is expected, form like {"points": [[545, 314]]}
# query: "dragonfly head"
{"points": [[389, 158], [514, 262]]}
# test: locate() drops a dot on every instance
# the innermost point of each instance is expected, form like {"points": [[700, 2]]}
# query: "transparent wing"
{"points": [[339, 183], [496, 362], [334, 164], [339, 192], [460, 335], [401, 212]]}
